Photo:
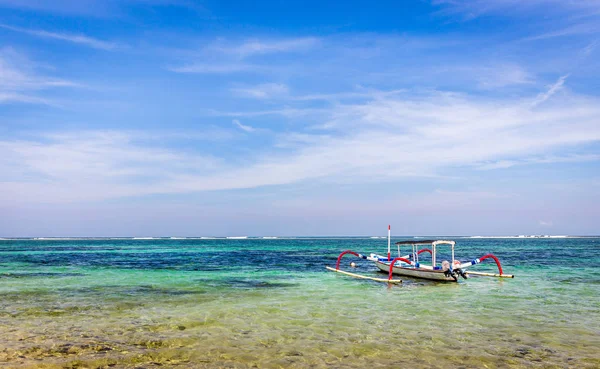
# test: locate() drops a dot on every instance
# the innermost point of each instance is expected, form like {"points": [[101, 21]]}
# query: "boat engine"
{"points": [[454, 273], [448, 272]]}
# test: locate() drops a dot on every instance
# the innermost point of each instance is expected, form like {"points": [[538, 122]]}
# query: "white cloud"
{"points": [[577, 29], [360, 94], [217, 68], [502, 76], [225, 56], [551, 91], [80, 7], [471, 9], [263, 91], [242, 127], [540, 160], [92, 8], [399, 136], [286, 112], [91, 165], [78, 39], [20, 83], [365, 133], [589, 49], [257, 46], [20, 98]]}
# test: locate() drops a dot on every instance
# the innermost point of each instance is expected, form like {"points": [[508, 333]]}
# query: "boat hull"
{"points": [[434, 275]]}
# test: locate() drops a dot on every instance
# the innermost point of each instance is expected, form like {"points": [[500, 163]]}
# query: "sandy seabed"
{"points": [[279, 328]]}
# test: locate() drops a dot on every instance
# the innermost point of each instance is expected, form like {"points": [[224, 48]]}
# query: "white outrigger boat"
{"points": [[409, 265]]}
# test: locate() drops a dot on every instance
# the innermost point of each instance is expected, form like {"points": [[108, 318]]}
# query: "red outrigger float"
{"points": [[410, 266]]}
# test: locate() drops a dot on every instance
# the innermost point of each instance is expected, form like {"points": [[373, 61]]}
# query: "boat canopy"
{"points": [[416, 242], [433, 243], [425, 242]]}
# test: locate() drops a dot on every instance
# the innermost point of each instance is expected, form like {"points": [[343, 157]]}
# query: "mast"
{"points": [[389, 235]]}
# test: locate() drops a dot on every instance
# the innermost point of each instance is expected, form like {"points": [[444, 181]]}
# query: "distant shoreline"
{"points": [[240, 238]]}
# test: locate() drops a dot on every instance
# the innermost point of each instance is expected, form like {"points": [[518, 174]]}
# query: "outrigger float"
{"points": [[410, 266]]}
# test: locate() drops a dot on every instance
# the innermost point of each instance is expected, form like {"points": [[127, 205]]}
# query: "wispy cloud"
{"points": [[287, 112], [94, 8], [503, 164], [405, 136], [263, 91], [552, 89], [503, 75], [471, 9], [589, 49], [81, 7], [224, 56], [574, 30], [20, 98], [16, 75], [248, 48], [216, 68], [245, 128], [77, 39], [106, 164], [20, 83], [361, 93]]}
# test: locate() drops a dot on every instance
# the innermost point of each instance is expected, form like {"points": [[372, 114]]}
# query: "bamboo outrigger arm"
{"points": [[337, 269], [490, 274], [395, 281], [500, 273]]}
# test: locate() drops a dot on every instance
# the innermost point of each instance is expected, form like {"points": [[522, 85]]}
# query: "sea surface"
{"points": [[270, 303]]}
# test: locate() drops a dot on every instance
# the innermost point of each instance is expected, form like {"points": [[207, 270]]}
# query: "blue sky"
{"points": [[185, 118]]}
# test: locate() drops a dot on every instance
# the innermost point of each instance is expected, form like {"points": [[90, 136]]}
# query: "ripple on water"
{"points": [[40, 275], [245, 283]]}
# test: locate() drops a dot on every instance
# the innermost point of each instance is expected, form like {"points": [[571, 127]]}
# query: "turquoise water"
{"points": [[270, 303]]}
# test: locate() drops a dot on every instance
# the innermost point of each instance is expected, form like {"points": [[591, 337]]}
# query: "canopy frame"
{"points": [[433, 244]]}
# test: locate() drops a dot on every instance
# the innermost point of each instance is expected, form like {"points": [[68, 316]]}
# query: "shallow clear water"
{"points": [[271, 303]]}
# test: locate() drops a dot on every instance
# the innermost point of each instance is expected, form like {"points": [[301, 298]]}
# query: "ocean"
{"points": [[270, 303]]}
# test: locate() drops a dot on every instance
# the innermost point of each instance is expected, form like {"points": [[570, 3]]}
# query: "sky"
{"points": [[299, 118]]}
